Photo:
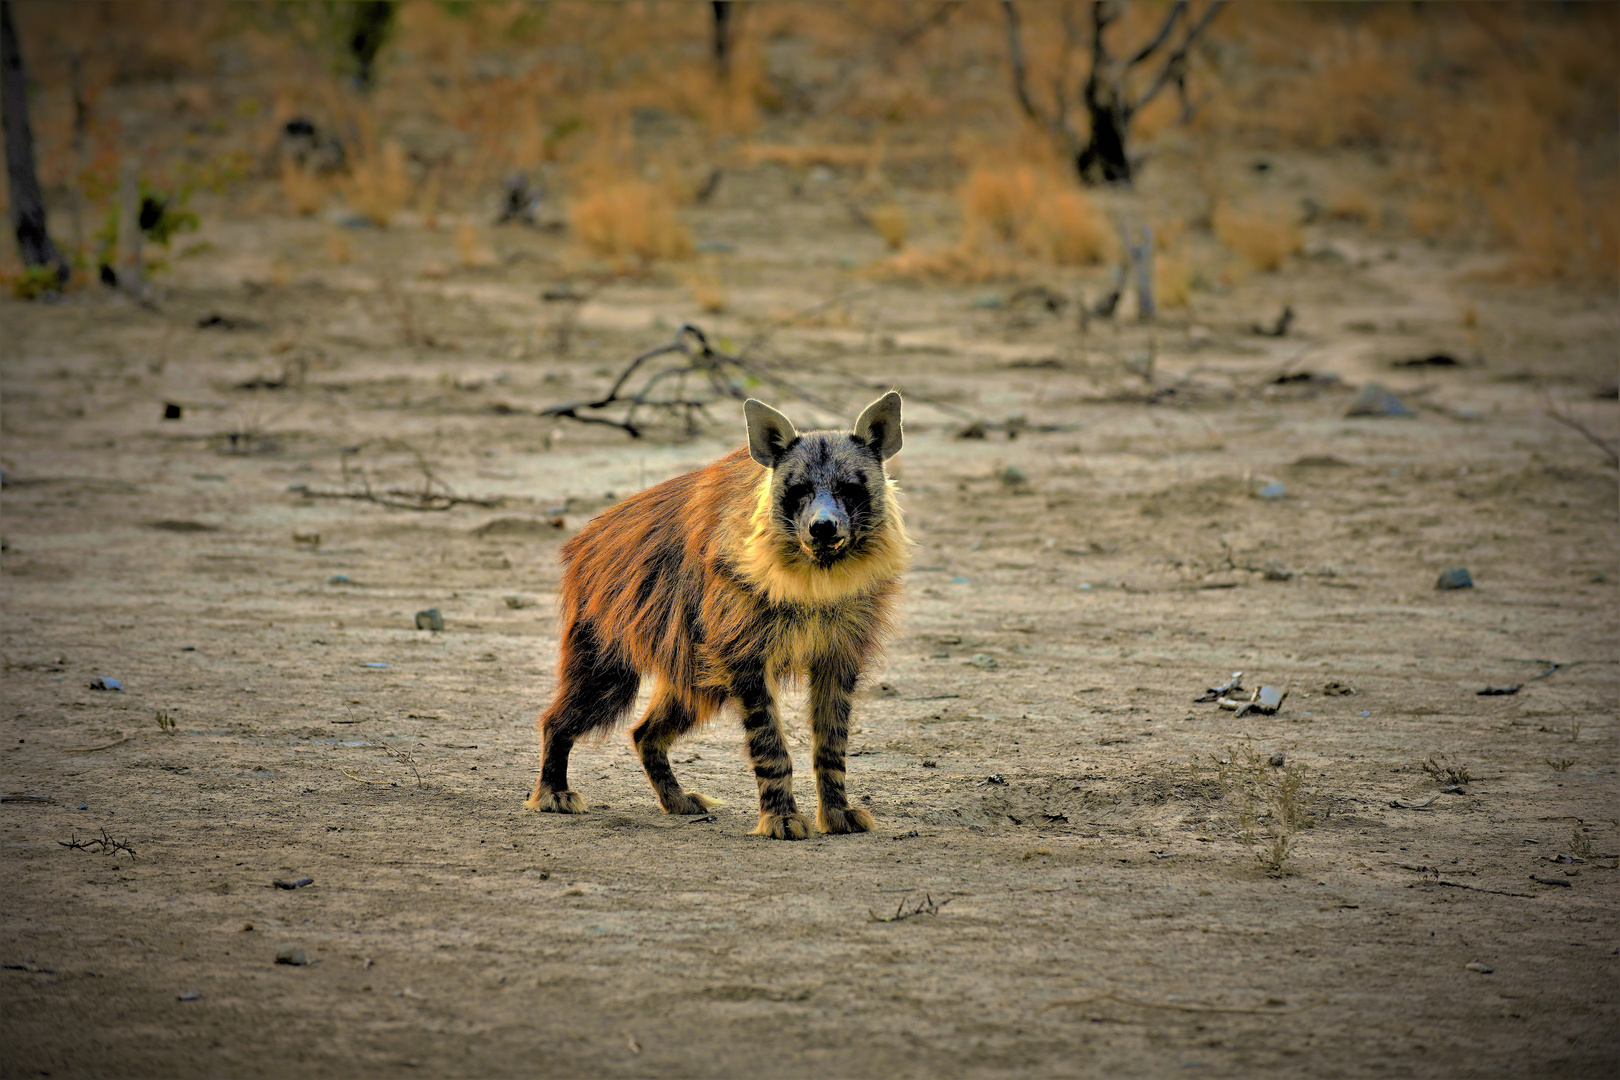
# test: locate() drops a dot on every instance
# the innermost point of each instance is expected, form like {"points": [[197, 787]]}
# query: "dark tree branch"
{"points": [[1057, 126], [1158, 39], [27, 203], [1175, 65]]}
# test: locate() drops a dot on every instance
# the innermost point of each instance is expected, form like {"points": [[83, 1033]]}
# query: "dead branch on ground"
{"points": [[434, 494], [1608, 448], [103, 844], [925, 906], [717, 376]]}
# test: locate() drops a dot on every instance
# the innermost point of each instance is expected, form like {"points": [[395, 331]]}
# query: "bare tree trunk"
{"points": [[27, 203], [722, 38]]}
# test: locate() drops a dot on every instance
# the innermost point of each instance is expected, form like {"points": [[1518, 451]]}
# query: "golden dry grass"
{"points": [[378, 185], [1265, 242], [891, 223], [304, 191], [963, 263], [630, 219], [1043, 214]]}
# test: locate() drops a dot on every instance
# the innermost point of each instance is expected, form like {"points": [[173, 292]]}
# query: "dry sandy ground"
{"points": [[1093, 915]]}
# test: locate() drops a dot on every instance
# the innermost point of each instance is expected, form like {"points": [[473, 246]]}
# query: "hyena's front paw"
{"points": [[690, 802], [783, 826], [845, 819], [556, 802]]}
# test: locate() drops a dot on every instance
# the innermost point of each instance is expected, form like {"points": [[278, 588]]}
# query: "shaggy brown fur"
{"points": [[780, 560]]}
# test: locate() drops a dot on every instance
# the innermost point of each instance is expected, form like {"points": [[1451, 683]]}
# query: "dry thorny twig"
{"points": [[434, 494], [925, 906], [104, 844], [719, 375]]}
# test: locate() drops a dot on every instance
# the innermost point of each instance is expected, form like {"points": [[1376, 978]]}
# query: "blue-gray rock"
{"points": [[1376, 399], [1273, 490], [1455, 578], [430, 619]]}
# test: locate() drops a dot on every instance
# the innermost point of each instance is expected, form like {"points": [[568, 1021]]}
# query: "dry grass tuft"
{"points": [[631, 219], [470, 248], [1043, 214], [379, 183], [306, 192], [1265, 242], [339, 247], [707, 291], [890, 222], [1172, 280], [962, 264]]}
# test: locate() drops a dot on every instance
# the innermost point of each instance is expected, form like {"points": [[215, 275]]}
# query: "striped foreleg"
{"points": [[667, 719], [779, 816], [832, 688]]}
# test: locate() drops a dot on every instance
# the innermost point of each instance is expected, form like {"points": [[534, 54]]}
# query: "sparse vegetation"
{"points": [[1447, 772], [631, 222], [1268, 807], [1560, 764]]}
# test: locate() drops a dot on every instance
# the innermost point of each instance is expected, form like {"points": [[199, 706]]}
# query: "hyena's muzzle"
{"points": [[824, 529]]}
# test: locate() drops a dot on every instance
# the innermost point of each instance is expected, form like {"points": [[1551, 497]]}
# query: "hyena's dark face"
{"points": [[828, 486]]}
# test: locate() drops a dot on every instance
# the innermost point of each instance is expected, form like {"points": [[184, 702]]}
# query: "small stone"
{"points": [[172, 411], [339, 579], [1375, 399], [995, 778], [1501, 691], [1273, 490], [1278, 760], [294, 883], [517, 603], [190, 995], [1455, 578], [984, 660], [291, 954], [105, 683], [1013, 476], [430, 619], [1269, 699], [1483, 969]]}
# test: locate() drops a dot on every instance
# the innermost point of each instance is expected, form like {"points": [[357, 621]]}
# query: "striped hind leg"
{"points": [[594, 690], [667, 719], [832, 687], [779, 816]]}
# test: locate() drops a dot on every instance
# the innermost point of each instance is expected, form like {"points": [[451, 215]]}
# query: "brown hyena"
{"points": [[781, 560]]}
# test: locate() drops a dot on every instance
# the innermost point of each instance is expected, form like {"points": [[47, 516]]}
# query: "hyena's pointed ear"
{"points": [[879, 426], [769, 432]]}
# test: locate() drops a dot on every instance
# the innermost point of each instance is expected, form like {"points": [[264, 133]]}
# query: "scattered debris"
{"points": [[181, 526], [340, 579], [1014, 477], [1266, 700], [1501, 691], [295, 883], [433, 495], [1278, 760], [993, 778], [984, 660], [1457, 577], [1375, 399], [1562, 882], [1230, 686], [519, 201], [104, 682], [1483, 969], [216, 321], [293, 955], [18, 797], [172, 411], [190, 995], [1320, 461], [306, 539], [925, 906], [1408, 804], [1337, 689], [517, 602], [516, 526], [431, 619]]}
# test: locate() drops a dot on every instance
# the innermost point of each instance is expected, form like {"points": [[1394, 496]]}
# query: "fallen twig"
{"points": [[1608, 448], [434, 494], [1174, 1006], [362, 780], [93, 749], [1476, 888], [925, 906], [104, 844]]}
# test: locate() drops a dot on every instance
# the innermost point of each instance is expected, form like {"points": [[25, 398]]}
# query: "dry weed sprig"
{"points": [[103, 844], [1447, 773], [925, 906], [434, 494], [1263, 792]]}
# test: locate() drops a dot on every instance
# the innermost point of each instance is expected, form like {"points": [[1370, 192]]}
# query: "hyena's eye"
{"points": [[796, 496], [851, 494]]}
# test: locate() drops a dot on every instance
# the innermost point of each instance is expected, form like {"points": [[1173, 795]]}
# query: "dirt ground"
{"points": [[1049, 796]]}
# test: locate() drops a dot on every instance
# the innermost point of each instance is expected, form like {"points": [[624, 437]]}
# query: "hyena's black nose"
{"points": [[825, 522]]}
